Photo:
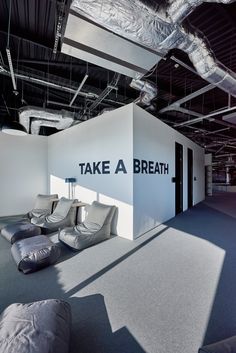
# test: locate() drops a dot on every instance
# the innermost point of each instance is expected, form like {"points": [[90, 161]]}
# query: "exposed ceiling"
{"points": [[32, 40]]}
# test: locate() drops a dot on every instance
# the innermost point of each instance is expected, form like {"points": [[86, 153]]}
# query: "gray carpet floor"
{"points": [[169, 291]]}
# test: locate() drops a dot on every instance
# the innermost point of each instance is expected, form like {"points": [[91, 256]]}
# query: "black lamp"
{"points": [[70, 180], [13, 128]]}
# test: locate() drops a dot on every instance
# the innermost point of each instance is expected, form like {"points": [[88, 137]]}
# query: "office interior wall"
{"points": [[23, 172]]}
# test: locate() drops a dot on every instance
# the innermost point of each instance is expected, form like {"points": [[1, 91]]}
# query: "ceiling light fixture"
{"points": [[11, 127], [14, 128], [11, 70], [79, 89], [9, 53]]}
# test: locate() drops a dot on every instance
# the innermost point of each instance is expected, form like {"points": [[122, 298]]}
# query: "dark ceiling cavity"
{"points": [[48, 79]]}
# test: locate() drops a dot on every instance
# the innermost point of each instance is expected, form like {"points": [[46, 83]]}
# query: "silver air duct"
{"points": [[160, 31], [178, 10], [32, 118], [130, 19], [148, 91]]}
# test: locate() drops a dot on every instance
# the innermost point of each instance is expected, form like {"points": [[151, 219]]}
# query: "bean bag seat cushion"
{"points": [[95, 228], [225, 346], [20, 230], [39, 327], [64, 215], [34, 253]]}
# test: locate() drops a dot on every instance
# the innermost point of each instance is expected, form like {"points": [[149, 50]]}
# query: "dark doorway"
{"points": [[178, 178], [190, 178]]}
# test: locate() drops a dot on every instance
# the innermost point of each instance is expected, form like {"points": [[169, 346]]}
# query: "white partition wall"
{"points": [[98, 153], [23, 172], [154, 190], [101, 154], [124, 157]]}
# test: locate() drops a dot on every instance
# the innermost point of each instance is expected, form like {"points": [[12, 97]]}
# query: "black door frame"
{"points": [[178, 178], [190, 177]]}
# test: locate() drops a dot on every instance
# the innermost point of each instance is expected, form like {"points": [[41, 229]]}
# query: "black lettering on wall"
{"points": [[136, 166], [82, 167], [166, 169], [161, 165], [151, 167], [106, 167], [120, 167], [88, 169], [139, 166], [157, 169], [144, 167], [96, 169]]}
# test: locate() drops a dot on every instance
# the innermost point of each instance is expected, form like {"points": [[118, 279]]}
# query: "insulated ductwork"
{"points": [[106, 110], [130, 19], [148, 91], [32, 118], [160, 31], [178, 10]]}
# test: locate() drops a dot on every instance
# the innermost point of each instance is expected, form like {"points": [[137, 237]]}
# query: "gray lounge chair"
{"points": [[43, 206], [21, 228], [64, 215], [95, 228]]}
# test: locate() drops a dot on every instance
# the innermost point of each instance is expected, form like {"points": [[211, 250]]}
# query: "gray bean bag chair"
{"points": [[39, 327], [20, 230], [64, 215], [95, 228], [43, 206], [34, 253], [225, 346]]}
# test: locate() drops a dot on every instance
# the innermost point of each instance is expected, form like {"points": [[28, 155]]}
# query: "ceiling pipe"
{"points": [[218, 144], [208, 116], [187, 111], [217, 131], [225, 155], [41, 82], [189, 97], [64, 105]]}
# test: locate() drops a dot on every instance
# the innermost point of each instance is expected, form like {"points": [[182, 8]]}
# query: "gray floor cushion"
{"points": [[20, 230], [225, 346], [34, 253], [39, 327], [95, 228]]}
